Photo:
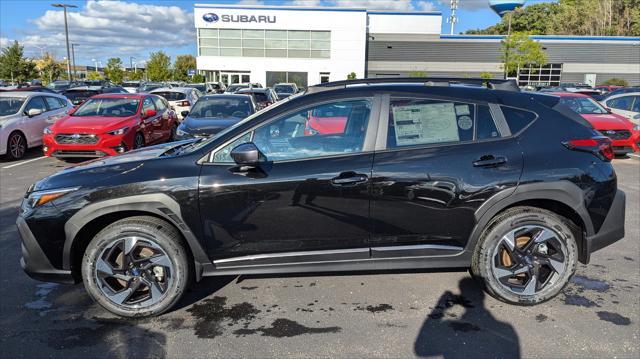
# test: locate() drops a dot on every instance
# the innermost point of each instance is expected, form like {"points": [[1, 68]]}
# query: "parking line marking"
{"points": [[23, 162]]}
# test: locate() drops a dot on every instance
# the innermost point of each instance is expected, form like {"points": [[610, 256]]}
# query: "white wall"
{"points": [[348, 39], [423, 23]]}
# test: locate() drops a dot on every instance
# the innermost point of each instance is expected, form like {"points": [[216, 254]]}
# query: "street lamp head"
{"points": [[63, 5]]}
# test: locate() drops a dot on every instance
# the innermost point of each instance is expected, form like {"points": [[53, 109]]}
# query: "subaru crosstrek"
{"points": [[423, 174]]}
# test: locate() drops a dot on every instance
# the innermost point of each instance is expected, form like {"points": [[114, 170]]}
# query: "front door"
{"points": [[310, 200], [440, 161]]}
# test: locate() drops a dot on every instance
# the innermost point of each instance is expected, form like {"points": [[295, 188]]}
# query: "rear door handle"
{"points": [[349, 179], [489, 161]]}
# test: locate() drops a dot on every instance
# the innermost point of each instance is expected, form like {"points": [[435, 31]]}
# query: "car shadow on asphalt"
{"points": [[460, 326]]}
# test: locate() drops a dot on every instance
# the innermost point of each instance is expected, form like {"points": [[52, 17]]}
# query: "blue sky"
{"points": [[126, 28]]}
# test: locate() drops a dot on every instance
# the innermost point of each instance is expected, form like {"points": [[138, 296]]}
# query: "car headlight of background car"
{"points": [[119, 131], [39, 198]]}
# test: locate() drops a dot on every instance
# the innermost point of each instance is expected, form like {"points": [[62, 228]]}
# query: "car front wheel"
{"points": [[526, 255], [16, 146], [136, 267]]}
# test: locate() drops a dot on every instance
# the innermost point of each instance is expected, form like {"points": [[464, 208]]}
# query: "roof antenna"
{"points": [[453, 19]]}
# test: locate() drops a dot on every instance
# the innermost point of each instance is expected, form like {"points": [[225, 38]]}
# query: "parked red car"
{"points": [[327, 120], [109, 124], [625, 136]]}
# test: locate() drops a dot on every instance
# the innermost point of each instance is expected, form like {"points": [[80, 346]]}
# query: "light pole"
{"points": [[41, 48], [66, 34], [95, 62], [131, 58], [73, 57]]}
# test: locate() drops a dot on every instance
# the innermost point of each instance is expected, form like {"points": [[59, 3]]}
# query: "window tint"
{"points": [[36, 102], [159, 104], [53, 103], [171, 95], [63, 103], [485, 126], [621, 103], [636, 104], [310, 133], [420, 122], [517, 119]]}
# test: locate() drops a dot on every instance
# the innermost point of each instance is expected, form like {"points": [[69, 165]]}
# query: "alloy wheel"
{"points": [[138, 141], [529, 259], [17, 146], [134, 271]]}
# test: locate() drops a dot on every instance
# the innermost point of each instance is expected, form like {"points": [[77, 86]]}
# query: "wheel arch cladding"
{"points": [[563, 198], [86, 223]]}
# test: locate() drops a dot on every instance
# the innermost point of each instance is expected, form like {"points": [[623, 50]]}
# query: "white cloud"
{"points": [[398, 5], [4, 42], [250, 2], [426, 6], [308, 3], [112, 29]]}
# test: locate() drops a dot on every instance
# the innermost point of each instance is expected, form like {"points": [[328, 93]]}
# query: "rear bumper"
{"points": [[35, 263], [612, 229]]}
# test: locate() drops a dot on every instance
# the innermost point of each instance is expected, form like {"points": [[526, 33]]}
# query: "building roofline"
{"points": [[319, 8], [543, 37]]}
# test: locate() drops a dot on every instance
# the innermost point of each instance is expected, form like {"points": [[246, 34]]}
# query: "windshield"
{"points": [[109, 107], [284, 89], [10, 105], [221, 107], [583, 105], [171, 95]]}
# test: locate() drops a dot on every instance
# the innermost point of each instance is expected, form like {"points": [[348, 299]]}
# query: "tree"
{"points": [[197, 78], [134, 75], [518, 50], [94, 75], [614, 81], [418, 74], [158, 66], [114, 71], [50, 69], [486, 75], [351, 76], [181, 67], [14, 66]]}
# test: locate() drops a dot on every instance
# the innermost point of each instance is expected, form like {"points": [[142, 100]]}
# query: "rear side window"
{"points": [[636, 105], [160, 105], [420, 122], [485, 126], [53, 103], [621, 103], [171, 95], [517, 119]]}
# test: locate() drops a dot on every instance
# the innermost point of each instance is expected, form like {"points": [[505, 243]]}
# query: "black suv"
{"points": [[372, 174]]}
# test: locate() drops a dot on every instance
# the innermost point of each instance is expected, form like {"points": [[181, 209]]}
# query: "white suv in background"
{"points": [[23, 118], [180, 98], [625, 104]]}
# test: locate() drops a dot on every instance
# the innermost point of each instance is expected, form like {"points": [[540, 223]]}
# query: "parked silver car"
{"points": [[23, 118]]}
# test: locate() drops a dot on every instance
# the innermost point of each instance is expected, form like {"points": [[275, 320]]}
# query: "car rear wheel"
{"points": [[16, 146], [138, 141], [526, 255], [136, 267], [174, 130]]}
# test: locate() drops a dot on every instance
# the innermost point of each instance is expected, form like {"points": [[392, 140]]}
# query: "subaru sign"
{"points": [[210, 17], [192, 72]]}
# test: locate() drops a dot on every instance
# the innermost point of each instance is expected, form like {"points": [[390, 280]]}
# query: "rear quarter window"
{"points": [[517, 119]]}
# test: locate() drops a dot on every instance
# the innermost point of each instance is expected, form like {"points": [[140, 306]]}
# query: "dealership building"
{"points": [[271, 44]]}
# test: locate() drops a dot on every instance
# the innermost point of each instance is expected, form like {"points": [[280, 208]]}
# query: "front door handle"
{"points": [[489, 161], [349, 179]]}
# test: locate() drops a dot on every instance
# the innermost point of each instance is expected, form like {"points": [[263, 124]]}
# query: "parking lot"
{"points": [[436, 313]]}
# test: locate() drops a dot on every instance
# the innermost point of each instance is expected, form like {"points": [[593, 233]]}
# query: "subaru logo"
{"points": [[210, 17], [75, 136], [610, 132]]}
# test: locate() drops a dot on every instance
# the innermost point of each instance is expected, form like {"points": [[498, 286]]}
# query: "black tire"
{"points": [[16, 146], [138, 141], [172, 136], [148, 229], [484, 258]]}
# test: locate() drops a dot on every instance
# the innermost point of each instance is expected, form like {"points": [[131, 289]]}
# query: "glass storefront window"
{"points": [[320, 35], [298, 44], [253, 34], [320, 45], [299, 35], [253, 52], [230, 43], [209, 42], [209, 51], [231, 33], [276, 34], [299, 53], [230, 52], [276, 52], [253, 43], [208, 32], [275, 44]]}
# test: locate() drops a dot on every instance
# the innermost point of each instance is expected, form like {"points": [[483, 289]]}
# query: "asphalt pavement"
{"points": [[399, 314]]}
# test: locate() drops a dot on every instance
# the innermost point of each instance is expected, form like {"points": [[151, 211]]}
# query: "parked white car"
{"points": [[625, 104], [180, 98], [23, 118], [131, 86]]}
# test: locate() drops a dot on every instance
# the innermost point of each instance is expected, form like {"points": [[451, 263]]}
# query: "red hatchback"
{"points": [[109, 124], [624, 135]]}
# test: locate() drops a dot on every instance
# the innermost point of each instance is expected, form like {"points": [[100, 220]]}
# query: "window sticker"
{"points": [[425, 123], [462, 110], [465, 123]]}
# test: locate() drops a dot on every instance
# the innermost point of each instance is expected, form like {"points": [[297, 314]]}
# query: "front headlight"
{"points": [[119, 131], [39, 198], [47, 130]]}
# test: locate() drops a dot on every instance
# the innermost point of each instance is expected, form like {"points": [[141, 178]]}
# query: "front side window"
{"points": [[37, 103], [621, 103], [636, 104], [421, 122], [160, 104], [323, 130], [147, 105]]}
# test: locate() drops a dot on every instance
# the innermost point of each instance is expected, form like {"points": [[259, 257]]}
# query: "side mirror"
{"points": [[247, 154], [149, 113], [184, 113], [34, 112]]}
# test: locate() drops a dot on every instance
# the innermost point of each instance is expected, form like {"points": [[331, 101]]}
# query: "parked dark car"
{"points": [[213, 113], [425, 174], [263, 97], [78, 95]]}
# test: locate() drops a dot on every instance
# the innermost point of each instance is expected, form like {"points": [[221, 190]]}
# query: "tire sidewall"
{"points": [[176, 255], [24, 139], [514, 220]]}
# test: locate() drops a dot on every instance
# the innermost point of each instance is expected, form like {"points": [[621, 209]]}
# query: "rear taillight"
{"points": [[184, 103], [599, 146]]}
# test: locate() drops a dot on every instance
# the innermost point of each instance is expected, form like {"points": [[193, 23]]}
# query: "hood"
{"points": [[105, 168], [91, 124], [207, 125], [6, 118], [609, 121]]}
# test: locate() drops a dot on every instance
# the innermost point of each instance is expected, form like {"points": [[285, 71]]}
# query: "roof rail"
{"points": [[495, 84]]}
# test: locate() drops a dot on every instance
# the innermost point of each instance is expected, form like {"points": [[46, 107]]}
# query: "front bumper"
{"points": [[612, 229], [35, 263], [628, 145], [107, 145]]}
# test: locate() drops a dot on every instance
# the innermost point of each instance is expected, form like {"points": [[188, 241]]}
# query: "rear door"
{"points": [[150, 126], [436, 162]]}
